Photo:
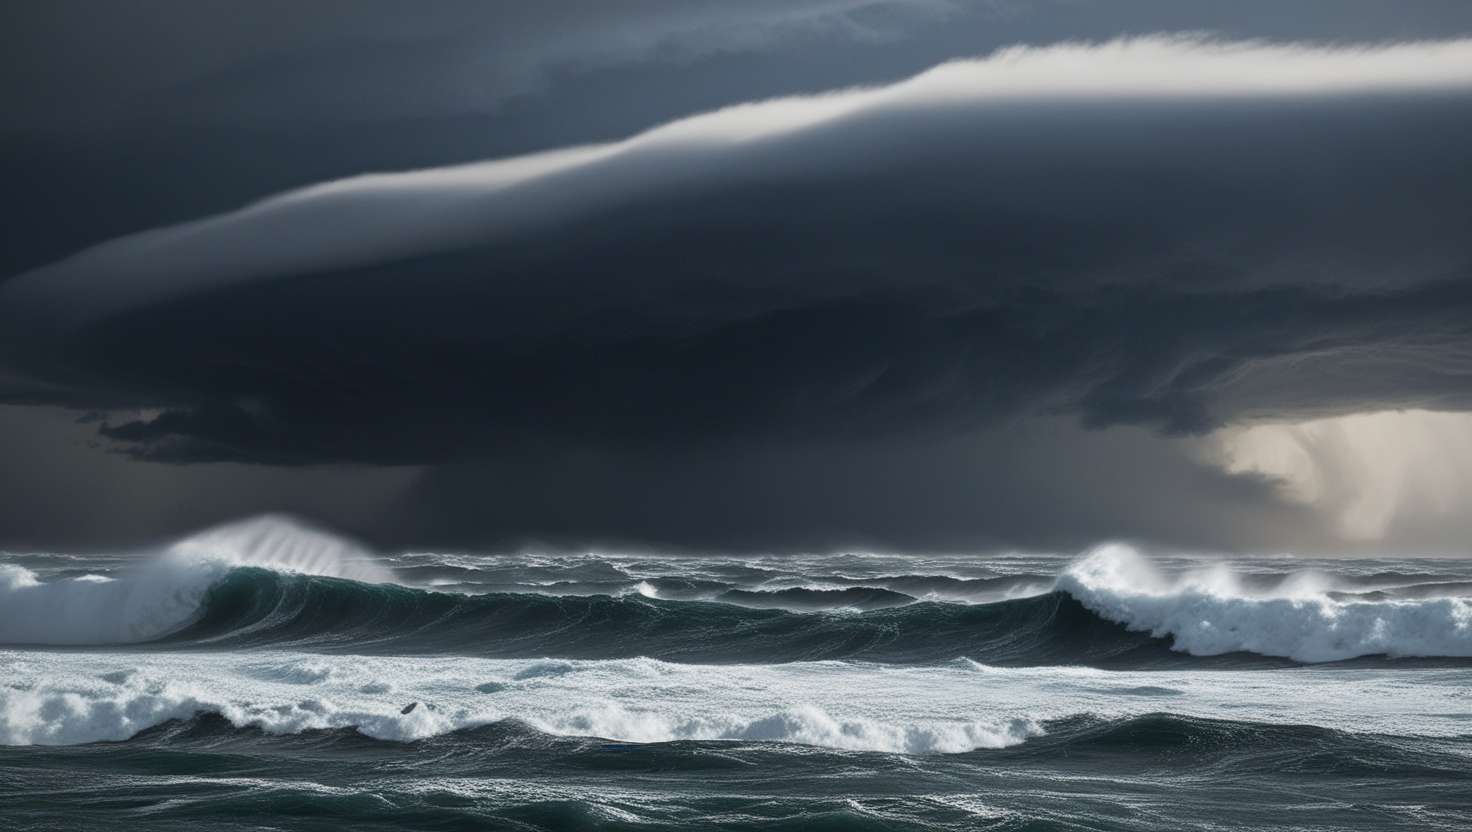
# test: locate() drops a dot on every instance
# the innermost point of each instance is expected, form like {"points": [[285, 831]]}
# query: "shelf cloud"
{"points": [[1175, 234]]}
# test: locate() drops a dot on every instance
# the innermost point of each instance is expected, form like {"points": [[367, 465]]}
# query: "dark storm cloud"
{"points": [[121, 117], [61, 492], [126, 116], [75, 62], [224, 61], [1166, 233]]}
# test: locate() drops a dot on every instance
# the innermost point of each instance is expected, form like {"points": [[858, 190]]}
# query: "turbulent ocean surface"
{"points": [[262, 676]]}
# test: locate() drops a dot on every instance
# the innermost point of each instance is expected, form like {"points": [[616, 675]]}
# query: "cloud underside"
{"points": [[1165, 233]]}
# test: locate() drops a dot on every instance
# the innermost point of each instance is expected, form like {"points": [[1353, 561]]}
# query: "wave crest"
{"points": [[272, 582], [163, 594], [282, 544], [1209, 612]]}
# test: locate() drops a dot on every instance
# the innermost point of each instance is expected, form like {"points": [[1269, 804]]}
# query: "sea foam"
{"points": [[65, 701], [1209, 612], [73, 697]]}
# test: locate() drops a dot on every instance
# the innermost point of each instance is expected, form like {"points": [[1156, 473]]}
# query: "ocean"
{"points": [[269, 676]]}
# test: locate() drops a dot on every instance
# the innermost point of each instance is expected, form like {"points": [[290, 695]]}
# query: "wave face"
{"points": [[252, 607], [141, 602], [800, 598], [273, 582]]}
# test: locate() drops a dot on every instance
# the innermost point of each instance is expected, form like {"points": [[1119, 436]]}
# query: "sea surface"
{"points": [[265, 675]]}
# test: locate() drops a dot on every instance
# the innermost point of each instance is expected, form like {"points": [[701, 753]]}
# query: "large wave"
{"points": [[164, 593], [252, 607], [1210, 611], [274, 582]]}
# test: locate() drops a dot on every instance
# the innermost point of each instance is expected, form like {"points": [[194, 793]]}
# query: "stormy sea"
{"points": [[265, 675]]}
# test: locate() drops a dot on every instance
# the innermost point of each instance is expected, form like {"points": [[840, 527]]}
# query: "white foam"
{"points": [[804, 724], [163, 593], [75, 704], [1208, 612], [62, 714], [70, 697]]}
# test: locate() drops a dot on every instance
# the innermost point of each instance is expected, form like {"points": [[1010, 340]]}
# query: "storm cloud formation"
{"points": [[122, 118], [1151, 232], [1010, 263]]}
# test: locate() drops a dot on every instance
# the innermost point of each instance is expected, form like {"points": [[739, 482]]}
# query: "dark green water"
{"points": [[1146, 773], [839, 693]]}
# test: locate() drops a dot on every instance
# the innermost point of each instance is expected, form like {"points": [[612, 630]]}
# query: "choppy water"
{"points": [[258, 676]]}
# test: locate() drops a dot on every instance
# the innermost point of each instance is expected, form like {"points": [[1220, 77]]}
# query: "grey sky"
{"points": [[1011, 302]]}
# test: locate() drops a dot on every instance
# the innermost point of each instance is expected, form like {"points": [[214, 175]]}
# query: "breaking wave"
{"points": [[122, 704], [1210, 612], [165, 593], [273, 582]]}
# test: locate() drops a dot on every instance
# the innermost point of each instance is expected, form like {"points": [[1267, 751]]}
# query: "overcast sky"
{"points": [[887, 274]]}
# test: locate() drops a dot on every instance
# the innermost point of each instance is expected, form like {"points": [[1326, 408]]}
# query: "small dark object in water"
{"points": [[409, 707]]}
